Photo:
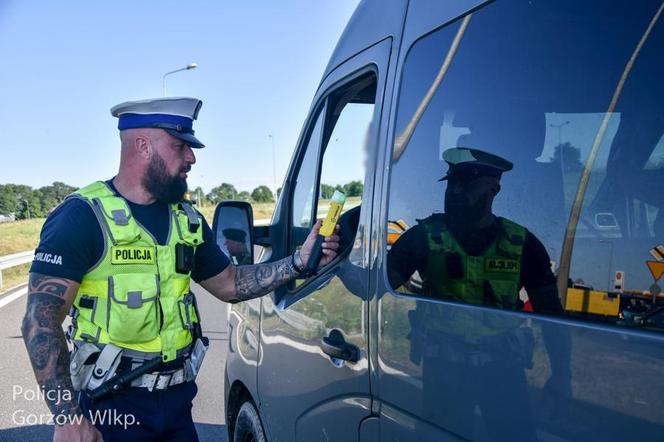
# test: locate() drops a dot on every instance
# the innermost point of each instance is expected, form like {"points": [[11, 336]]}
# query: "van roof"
{"points": [[371, 22]]}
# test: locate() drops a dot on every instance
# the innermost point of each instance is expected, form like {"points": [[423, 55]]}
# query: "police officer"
{"points": [[469, 255], [460, 253], [118, 255], [236, 247]]}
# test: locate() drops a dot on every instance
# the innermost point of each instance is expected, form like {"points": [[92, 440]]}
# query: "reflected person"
{"points": [[469, 255], [235, 243]]}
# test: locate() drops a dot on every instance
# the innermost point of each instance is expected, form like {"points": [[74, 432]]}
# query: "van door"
{"points": [[310, 390], [548, 322]]}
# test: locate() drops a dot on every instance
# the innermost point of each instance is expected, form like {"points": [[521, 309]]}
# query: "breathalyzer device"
{"points": [[327, 229]]}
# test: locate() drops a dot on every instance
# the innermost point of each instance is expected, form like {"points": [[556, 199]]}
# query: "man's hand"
{"points": [[236, 284], [77, 432], [330, 245]]}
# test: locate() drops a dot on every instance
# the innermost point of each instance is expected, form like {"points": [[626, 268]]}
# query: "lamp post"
{"points": [[27, 206], [560, 143], [186, 68], [274, 166], [610, 243]]}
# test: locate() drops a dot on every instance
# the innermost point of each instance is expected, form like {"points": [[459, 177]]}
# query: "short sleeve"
{"points": [[70, 243], [209, 259], [408, 254]]}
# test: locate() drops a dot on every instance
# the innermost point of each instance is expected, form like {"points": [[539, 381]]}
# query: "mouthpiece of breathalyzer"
{"points": [[327, 229]]}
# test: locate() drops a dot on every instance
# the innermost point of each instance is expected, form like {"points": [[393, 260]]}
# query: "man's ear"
{"points": [[143, 146]]}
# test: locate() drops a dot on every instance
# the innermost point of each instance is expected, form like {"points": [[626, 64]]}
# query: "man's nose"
{"points": [[189, 155]]}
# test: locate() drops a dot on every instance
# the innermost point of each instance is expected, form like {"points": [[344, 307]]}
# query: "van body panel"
{"points": [[370, 23], [426, 15], [432, 397], [243, 338]]}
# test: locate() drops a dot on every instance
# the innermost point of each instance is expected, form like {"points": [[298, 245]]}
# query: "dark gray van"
{"points": [[572, 93]]}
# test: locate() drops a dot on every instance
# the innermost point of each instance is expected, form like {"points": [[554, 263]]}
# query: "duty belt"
{"points": [[157, 380], [160, 380], [91, 367]]}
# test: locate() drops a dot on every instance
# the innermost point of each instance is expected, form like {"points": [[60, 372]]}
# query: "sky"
{"points": [[65, 64]]}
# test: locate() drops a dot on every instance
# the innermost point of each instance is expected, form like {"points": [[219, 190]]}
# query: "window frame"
{"points": [[323, 105]]}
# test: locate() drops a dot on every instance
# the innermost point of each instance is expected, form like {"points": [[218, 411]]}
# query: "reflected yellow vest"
{"points": [[491, 279], [133, 297]]}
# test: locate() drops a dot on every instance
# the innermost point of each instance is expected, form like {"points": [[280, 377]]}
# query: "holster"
{"points": [[90, 367], [81, 364]]}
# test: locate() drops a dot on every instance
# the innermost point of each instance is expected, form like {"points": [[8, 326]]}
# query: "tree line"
{"points": [[24, 202], [263, 194]]}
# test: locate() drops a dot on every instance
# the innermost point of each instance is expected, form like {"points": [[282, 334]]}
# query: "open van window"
{"points": [[335, 159], [577, 110]]}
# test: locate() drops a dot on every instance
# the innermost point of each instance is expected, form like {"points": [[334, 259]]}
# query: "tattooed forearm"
{"points": [[257, 280], [45, 341]]}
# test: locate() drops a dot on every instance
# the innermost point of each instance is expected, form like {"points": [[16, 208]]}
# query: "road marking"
{"points": [[14, 296]]}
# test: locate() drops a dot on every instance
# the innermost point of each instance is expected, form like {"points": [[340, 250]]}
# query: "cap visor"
{"points": [[445, 178], [191, 140]]}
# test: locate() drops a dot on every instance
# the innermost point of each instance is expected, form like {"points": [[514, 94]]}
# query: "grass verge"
{"points": [[19, 236]]}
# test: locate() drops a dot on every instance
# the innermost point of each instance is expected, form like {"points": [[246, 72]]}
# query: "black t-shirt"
{"points": [[411, 252], [71, 240]]}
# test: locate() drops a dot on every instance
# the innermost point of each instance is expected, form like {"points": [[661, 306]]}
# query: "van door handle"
{"points": [[335, 345]]}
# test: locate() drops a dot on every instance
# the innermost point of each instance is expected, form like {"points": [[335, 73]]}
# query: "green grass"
{"points": [[14, 276], [19, 236]]}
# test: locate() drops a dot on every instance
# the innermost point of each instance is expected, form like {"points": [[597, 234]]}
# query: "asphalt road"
{"points": [[18, 407]]}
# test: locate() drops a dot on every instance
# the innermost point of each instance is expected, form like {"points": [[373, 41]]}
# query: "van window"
{"points": [[304, 185], [570, 94], [340, 163]]}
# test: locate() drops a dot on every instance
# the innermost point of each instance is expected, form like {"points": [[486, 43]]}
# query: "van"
{"points": [[571, 93]]}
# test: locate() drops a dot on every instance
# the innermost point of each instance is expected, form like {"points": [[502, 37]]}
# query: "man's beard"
{"points": [[164, 187]]}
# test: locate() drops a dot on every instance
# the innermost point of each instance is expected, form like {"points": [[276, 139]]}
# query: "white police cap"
{"points": [[175, 115], [464, 161]]}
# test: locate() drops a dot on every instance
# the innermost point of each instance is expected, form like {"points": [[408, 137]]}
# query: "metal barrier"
{"points": [[13, 260]]}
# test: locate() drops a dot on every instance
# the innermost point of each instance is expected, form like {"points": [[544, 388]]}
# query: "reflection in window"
{"points": [[541, 107]]}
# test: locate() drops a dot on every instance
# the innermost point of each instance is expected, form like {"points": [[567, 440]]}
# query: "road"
{"points": [[18, 405]]}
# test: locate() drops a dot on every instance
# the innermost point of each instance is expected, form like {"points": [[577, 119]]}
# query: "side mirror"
{"points": [[233, 229], [606, 220]]}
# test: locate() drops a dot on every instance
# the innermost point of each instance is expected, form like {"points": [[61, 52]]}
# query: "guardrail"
{"points": [[13, 260]]}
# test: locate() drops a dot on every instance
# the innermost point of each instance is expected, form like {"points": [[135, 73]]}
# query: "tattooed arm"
{"points": [[242, 283], [49, 300]]}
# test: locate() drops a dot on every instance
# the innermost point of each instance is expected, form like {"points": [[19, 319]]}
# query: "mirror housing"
{"points": [[233, 231]]}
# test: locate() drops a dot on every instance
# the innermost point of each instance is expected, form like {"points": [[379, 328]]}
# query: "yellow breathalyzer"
{"points": [[327, 229]]}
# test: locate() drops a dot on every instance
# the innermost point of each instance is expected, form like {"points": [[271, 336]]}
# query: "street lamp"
{"points": [[274, 166], [560, 143], [27, 206], [610, 243], [186, 68]]}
